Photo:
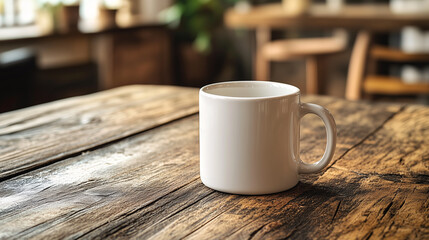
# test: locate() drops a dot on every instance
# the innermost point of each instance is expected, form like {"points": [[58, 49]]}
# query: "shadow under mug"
{"points": [[249, 136]]}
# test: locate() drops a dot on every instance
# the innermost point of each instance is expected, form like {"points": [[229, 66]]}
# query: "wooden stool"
{"points": [[310, 49]]}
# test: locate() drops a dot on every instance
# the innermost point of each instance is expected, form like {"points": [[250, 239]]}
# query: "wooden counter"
{"points": [[36, 32], [129, 52], [124, 163]]}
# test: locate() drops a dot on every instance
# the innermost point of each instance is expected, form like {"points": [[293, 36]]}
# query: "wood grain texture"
{"points": [[402, 148], [147, 186], [355, 122], [72, 197], [42, 134]]}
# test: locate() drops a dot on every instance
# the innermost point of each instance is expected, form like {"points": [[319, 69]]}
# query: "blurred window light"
{"points": [[89, 9], [70, 2], [409, 6], [9, 12], [49, 2], [27, 12], [112, 4], [24, 12]]}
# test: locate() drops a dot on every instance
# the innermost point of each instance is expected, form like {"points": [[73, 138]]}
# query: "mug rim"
{"points": [[203, 90]]}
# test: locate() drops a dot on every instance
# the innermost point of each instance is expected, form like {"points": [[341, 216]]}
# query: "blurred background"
{"points": [[53, 49]]}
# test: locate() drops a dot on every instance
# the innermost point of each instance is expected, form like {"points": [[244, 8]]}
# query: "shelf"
{"points": [[395, 55], [393, 86]]}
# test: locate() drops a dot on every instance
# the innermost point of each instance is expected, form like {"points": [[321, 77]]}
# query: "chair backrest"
{"points": [[357, 66]]}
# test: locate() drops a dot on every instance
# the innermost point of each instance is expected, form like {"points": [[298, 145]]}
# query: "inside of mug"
{"points": [[250, 89]]}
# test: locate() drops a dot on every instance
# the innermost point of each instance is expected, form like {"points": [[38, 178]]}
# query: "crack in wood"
{"points": [[45, 224], [386, 209], [57, 109], [296, 221], [389, 207], [4, 132], [241, 228], [25, 119], [401, 109], [388, 229], [74, 153], [126, 224], [252, 234], [124, 216], [159, 198], [186, 207], [368, 235], [336, 211], [291, 234], [402, 204], [207, 222], [392, 177]]}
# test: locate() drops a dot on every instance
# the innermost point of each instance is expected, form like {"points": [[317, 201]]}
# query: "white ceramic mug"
{"points": [[249, 136]]}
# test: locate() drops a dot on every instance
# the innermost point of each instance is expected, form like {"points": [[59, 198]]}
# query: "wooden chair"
{"points": [[310, 49], [362, 82]]}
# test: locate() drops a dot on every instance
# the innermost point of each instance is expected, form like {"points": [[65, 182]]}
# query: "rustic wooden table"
{"points": [[124, 163]]}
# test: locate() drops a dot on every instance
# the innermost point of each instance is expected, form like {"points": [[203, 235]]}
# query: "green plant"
{"points": [[195, 21]]}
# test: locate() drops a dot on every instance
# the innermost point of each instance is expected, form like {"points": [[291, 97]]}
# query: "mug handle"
{"points": [[331, 135]]}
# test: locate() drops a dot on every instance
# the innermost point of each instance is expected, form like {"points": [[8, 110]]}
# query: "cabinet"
{"points": [[140, 56]]}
